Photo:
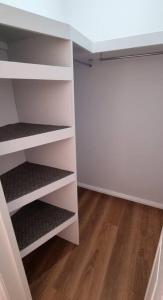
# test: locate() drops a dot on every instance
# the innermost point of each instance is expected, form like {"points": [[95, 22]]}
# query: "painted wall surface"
{"points": [[100, 20], [119, 125]]}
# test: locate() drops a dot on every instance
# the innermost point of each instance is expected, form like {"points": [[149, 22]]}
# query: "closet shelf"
{"points": [[28, 182], [21, 136], [37, 222], [18, 70]]}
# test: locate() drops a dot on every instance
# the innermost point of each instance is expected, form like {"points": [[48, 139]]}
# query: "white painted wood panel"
{"points": [[16, 70], [8, 112], [8, 162], [48, 236], [4, 295], [21, 201], [47, 102], [158, 295], [59, 155], [35, 140], [41, 50], [8, 115], [11, 267], [66, 197], [155, 285]]}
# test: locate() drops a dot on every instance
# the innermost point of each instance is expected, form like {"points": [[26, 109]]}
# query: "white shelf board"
{"points": [[19, 144], [17, 70], [39, 193], [32, 22], [48, 236]]}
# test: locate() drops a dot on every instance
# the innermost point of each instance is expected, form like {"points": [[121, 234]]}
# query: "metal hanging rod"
{"points": [[130, 56], [83, 63], [101, 58]]}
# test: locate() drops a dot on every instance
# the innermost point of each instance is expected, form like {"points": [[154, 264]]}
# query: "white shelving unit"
{"points": [[37, 138]]}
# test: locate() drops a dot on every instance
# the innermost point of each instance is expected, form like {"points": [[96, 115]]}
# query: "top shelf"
{"points": [[17, 70]]}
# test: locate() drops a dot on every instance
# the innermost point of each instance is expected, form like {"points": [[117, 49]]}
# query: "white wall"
{"points": [[119, 121], [100, 19]]}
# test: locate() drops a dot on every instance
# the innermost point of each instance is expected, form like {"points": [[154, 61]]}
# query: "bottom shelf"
{"points": [[37, 222]]}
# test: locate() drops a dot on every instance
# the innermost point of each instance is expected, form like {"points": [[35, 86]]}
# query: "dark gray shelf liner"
{"points": [[27, 178], [20, 130], [37, 219]]}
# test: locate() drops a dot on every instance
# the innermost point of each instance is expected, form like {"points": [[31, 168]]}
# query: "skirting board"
{"points": [[120, 195]]}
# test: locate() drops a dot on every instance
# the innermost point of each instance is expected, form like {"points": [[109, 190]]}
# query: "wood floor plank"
{"points": [[52, 294], [82, 253], [148, 234], [91, 281], [118, 269], [116, 209], [118, 240]]}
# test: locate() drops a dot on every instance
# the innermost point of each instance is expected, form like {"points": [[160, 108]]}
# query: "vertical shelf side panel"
{"points": [[11, 267], [59, 154], [72, 232], [8, 112], [67, 198]]}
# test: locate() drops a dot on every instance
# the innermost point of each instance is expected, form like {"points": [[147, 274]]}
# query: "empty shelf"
{"points": [[18, 70], [35, 221], [20, 136], [19, 130], [29, 181]]}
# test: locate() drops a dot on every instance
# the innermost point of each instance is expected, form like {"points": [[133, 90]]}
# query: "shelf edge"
{"points": [[48, 236], [39, 193], [24, 143]]}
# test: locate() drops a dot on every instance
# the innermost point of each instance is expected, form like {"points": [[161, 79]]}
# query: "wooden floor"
{"points": [[118, 240]]}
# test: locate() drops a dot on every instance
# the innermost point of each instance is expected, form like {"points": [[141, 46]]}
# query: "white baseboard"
{"points": [[120, 195]]}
